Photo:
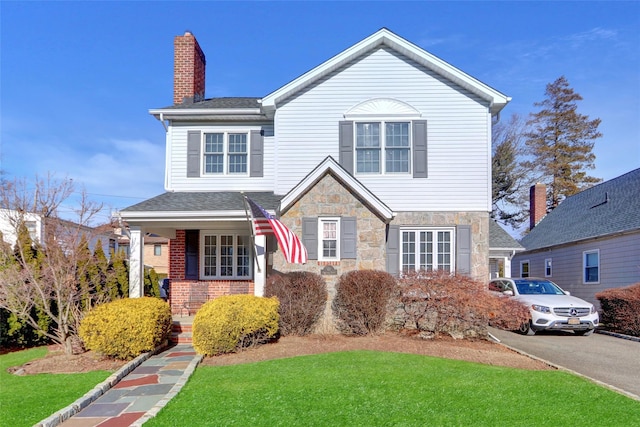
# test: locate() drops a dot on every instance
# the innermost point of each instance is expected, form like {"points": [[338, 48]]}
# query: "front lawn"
{"points": [[367, 388], [25, 400]]}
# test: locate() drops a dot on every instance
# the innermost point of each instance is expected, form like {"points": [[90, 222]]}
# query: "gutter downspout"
{"points": [[164, 125]]}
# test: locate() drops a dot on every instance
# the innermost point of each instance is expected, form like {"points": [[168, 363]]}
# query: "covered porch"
{"points": [[212, 250]]}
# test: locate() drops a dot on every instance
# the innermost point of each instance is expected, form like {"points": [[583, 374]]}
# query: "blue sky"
{"points": [[78, 78]]}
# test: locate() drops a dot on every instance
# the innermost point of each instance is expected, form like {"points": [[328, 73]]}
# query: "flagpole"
{"points": [[253, 237]]}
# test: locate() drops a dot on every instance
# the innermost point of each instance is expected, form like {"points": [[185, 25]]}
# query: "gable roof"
{"points": [[607, 208], [499, 239], [330, 166], [384, 37]]}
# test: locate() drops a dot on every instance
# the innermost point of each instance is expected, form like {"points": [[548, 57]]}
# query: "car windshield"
{"points": [[537, 287]]}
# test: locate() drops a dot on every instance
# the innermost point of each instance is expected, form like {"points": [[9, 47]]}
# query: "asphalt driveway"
{"points": [[610, 360]]}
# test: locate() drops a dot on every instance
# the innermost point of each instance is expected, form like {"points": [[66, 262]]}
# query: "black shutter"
{"points": [[393, 250], [310, 236], [191, 241], [463, 249], [346, 146], [420, 149], [193, 154], [256, 153], [348, 238]]}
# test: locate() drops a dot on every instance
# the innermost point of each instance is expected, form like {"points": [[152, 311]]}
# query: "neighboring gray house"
{"points": [[502, 249], [590, 242], [379, 157]]}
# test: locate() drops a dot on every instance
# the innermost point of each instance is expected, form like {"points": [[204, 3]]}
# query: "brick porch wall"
{"points": [[200, 290]]}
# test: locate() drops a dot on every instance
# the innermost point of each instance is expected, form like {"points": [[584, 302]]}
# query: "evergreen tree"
{"points": [[100, 266], [561, 142], [118, 277]]}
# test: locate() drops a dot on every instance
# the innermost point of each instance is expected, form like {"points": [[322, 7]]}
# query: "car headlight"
{"points": [[593, 309], [541, 308]]}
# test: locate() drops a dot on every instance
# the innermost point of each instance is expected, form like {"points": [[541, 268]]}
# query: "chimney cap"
{"points": [[188, 33]]}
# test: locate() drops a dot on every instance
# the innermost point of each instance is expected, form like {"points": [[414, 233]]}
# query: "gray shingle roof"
{"points": [[610, 207], [219, 103], [204, 201], [500, 239]]}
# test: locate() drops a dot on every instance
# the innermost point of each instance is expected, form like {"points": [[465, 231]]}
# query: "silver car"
{"points": [[551, 307]]}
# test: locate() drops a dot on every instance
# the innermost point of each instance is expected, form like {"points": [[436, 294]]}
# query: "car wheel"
{"points": [[584, 333], [526, 329]]}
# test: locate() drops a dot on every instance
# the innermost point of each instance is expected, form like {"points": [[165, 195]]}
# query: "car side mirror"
{"points": [[567, 292], [508, 292]]}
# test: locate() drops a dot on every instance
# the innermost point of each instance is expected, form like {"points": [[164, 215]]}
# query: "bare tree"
{"points": [[510, 179], [43, 275]]}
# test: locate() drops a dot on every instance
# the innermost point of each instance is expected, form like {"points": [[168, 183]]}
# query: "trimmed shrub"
{"points": [[229, 323], [620, 308], [127, 327], [440, 303], [302, 296], [507, 313], [361, 302]]}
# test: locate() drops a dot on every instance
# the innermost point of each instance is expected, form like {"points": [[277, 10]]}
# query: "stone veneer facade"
{"points": [[330, 198], [479, 222]]}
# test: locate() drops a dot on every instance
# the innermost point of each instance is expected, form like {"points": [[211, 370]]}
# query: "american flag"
{"points": [[264, 223]]}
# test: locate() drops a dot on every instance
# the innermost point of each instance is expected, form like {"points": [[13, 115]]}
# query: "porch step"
{"points": [[181, 332]]}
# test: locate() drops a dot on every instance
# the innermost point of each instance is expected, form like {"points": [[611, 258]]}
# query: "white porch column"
{"points": [[136, 263], [507, 266], [259, 265]]}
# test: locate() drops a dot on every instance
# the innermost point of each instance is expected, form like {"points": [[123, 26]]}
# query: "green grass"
{"points": [[365, 388], [25, 400]]}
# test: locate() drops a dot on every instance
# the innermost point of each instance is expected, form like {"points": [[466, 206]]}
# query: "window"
{"points": [[225, 153], [371, 155], [547, 267], [32, 228], [157, 250], [226, 256], [524, 268], [329, 241], [426, 250], [591, 262]]}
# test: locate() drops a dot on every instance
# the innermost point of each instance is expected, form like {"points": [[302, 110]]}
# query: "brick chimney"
{"points": [[537, 204], [188, 69]]}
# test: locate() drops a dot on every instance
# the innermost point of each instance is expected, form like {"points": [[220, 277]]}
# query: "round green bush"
{"points": [[127, 327], [233, 322]]}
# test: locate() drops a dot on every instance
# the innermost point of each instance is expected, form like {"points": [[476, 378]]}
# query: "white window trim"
{"points": [[435, 230], [159, 249], [584, 267], [526, 261], [548, 261], [321, 221], [218, 234], [225, 152], [383, 145]]}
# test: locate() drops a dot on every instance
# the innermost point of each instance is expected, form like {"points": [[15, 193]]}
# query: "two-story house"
{"points": [[378, 158]]}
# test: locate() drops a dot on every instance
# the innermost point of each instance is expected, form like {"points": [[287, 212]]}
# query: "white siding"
{"points": [[177, 161], [458, 129], [306, 131], [619, 264]]}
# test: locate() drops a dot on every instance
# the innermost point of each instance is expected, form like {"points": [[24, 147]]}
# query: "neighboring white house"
{"points": [[37, 225], [10, 220], [379, 157], [502, 249], [590, 242]]}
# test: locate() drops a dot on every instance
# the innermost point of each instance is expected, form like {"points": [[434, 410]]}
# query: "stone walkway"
{"points": [[141, 393]]}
